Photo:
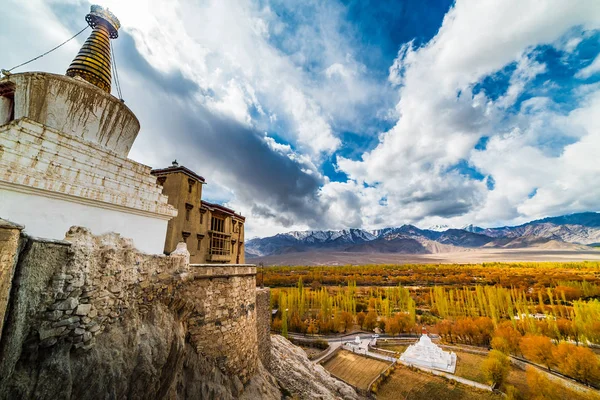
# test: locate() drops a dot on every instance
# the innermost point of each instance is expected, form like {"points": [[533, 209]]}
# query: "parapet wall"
{"points": [[68, 294], [223, 323], [263, 325]]}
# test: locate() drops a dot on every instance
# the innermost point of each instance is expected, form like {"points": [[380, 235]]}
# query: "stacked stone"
{"points": [[99, 285], [71, 316], [263, 325], [222, 324], [103, 280]]}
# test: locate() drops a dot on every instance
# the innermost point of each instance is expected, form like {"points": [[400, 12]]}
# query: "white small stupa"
{"points": [[427, 354]]}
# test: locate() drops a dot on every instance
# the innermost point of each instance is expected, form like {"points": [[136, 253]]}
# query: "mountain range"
{"points": [[570, 232]]}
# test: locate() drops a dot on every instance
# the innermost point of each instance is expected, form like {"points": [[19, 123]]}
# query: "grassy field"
{"points": [[469, 366], [354, 369], [400, 348], [405, 383]]}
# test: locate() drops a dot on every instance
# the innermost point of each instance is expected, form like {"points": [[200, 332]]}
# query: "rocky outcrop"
{"points": [[91, 318], [301, 377], [141, 358]]}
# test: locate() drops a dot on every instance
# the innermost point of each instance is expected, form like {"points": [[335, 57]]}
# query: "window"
{"points": [[217, 224], [190, 184], [188, 211], [202, 216], [220, 244], [161, 180], [199, 237], [185, 236]]}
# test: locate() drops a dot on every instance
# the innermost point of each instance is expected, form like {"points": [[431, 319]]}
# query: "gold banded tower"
{"points": [[93, 62]]}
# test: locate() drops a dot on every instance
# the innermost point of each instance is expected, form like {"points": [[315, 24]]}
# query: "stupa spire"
{"points": [[93, 62]]}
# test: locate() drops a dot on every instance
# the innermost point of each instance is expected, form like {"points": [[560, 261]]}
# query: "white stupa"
{"points": [[427, 354]]}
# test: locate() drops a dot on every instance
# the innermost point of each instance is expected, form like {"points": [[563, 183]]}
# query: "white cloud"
{"points": [[590, 70], [311, 86], [441, 121]]}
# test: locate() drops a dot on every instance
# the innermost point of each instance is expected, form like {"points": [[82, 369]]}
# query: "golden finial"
{"points": [[93, 62]]}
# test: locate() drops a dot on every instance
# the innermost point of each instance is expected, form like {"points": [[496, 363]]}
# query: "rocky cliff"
{"points": [[92, 318]]}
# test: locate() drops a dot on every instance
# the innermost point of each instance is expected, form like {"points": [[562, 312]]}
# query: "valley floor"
{"points": [[463, 257]]}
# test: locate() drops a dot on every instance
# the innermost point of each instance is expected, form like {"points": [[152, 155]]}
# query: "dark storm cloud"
{"points": [[274, 185], [255, 172], [262, 211], [451, 198]]}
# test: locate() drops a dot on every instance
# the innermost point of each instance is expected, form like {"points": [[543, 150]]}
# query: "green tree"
{"points": [[496, 367], [284, 323]]}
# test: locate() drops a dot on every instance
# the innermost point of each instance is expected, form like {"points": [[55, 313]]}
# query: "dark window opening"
{"points": [[188, 211], [7, 104], [217, 224]]}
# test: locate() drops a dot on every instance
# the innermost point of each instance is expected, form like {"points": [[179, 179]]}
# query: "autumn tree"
{"points": [[284, 324], [484, 327], [496, 367], [392, 325], [313, 327], [360, 319], [542, 388], [370, 320], [506, 338], [444, 329], [343, 321], [538, 349], [577, 362]]}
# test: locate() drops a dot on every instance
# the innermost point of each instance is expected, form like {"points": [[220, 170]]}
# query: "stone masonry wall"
{"points": [[99, 283], [263, 325], [222, 322], [9, 247]]}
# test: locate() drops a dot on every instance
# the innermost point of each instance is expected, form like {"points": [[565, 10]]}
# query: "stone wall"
{"points": [[263, 325], [94, 308], [9, 248], [222, 325]]}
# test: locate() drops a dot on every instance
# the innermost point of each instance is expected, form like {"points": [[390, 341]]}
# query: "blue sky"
{"points": [[337, 114]]}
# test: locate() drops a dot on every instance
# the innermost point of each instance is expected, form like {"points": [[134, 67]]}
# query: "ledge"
{"points": [[6, 224], [207, 271]]}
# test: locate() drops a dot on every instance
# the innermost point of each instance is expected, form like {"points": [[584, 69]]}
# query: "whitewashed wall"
{"points": [[51, 218]]}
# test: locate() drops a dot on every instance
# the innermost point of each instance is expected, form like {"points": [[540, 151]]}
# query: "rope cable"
{"points": [[116, 73], [51, 50]]}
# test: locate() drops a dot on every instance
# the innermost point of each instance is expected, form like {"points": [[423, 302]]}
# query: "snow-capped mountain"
{"points": [[580, 229], [472, 228], [438, 228]]}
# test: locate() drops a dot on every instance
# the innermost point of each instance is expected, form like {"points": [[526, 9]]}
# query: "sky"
{"points": [[353, 114]]}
